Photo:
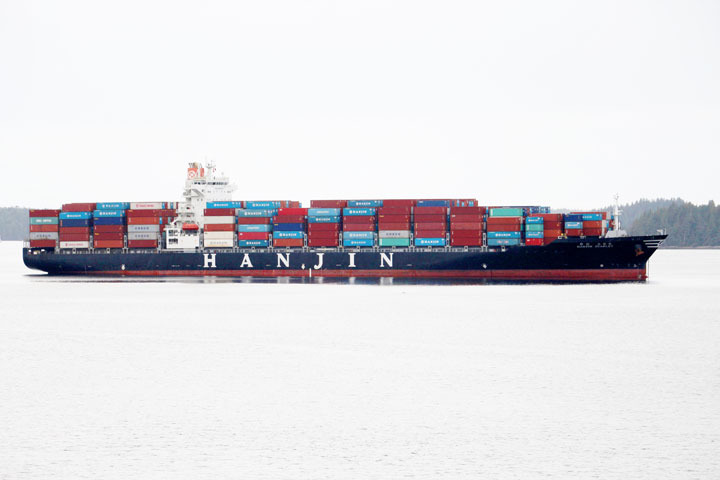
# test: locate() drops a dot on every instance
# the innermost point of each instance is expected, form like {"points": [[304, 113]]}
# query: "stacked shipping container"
{"points": [[430, 223], [359, 226], [504, 226], [109, 225], [324, 227], [466, 226], [219, 220], [254, 227], [290, 227], [75, 224], [44, 228], [395, 223], [145, 223]]}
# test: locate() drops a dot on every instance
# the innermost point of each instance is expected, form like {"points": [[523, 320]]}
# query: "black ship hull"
{"points": [[571, 259]]}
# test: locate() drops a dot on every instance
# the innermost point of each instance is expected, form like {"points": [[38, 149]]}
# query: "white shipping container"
{"points": [[219, 243], [219, 220], [219, 235], [143, 228], [43, 235], [394, 234], [146, 205], [74, 244], [142, 236]]}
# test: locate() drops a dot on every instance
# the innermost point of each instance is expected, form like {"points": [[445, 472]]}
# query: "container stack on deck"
{"points": [[504, 226], [593, 224], [324, 227], [395, 223], [254, 227], [290, 227], [75, 225], [44, 228], [360, 223], [109, 226], [466, 226], [430, 223], [219, 224], [145, 223]]}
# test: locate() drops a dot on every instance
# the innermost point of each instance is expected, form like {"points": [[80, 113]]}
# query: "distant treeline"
{"points": [[687, 225], [13, 223]]}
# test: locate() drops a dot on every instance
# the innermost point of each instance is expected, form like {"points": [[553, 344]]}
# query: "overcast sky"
{"points": [[559, 103]]}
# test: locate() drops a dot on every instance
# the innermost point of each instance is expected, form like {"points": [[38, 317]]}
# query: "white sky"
{"points": [[559, 103]]}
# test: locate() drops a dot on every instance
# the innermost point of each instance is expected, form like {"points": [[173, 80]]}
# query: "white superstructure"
{"points": [[202, 185]]}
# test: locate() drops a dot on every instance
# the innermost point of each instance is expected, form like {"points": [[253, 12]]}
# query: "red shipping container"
{"points": [[466, 242], [323, 227], [219, 212], [288, 219], [293, 204], [604, 214], [393, 226], [430, 218], [394, 218], [74, 237], [78, 207], [359, 227], [553, 225], [504, 228], [109, 228], [394, 210], [142, 243], [430, 234], [253, 220], [430, 211], [76, 230], [466, 226], [253, 235], [399, 203], [108, 243], [42, 244], [323, 235], [323, 242], [293, 211], [466, 234], [592, 224], [430, 226], [328, 203], [467, 211], [466, 218], [552, 233], [220, 227], [592, 232], [43, 228], [165, 212], [44, 213], [549, 217], [108, 236], [504, 221], [288, 242], [534, 242], [143, 220], [574, 232], [359, 219]]}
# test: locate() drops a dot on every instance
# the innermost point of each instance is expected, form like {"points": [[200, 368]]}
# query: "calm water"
{"points": [[176, 380]]}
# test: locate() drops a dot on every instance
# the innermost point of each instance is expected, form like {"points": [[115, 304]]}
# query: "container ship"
{"points": [[209, 234]]}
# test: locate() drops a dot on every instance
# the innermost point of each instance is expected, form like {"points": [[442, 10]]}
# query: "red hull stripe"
{"points": [[603, 274]]}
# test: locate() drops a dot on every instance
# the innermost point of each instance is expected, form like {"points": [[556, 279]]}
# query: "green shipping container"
{"points": [[506, 212], [43, 221], [534, 227], [394, 242]]}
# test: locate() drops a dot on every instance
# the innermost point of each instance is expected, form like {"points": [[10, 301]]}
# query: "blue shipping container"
{"points": [[113, 205], [284, 234], [266, 227], [108, 213], [82, 222], [253, 243], [534, 220], [433, 203], [227, 204], [573, 225], [267, 204], [496, 242], [364, 203], [356, 212], [429, 242], [289, 227], [324, 219], [573, 217], [358, 242], [254, 213], [109, 221], [363, 235], [534, 234], [503, 234], [74, 215], [324, 212]]}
